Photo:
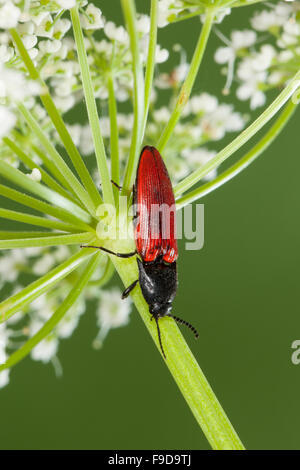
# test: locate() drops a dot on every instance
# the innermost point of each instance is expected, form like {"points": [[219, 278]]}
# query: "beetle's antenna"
{"points": [[183, 322], [159, 338]]}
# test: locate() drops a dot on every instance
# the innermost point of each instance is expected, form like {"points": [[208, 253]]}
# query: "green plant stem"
{"points": [[22, 180], [72, 182], [150, 60], [92, 108], [114, 135], [58, 121], [184, 368], [243, 162], [43, 207], [46, 178], [56, 317], [239, 141], [129, 12], [246, 3], [6, 235], [189, 81], [51, 240], [106, 276], [18, 301], [35, 220]]}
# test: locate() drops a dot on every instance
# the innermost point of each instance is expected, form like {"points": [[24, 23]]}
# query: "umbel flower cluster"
{"points": [[44, 76]]}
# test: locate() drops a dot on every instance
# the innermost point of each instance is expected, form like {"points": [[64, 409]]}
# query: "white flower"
{"points": [[165, 11], [61, 253], [105, 126], [43, 265], [6, 53], [8, 121], [252, 71], [4, 375], [43, 24], [179, 168], [66, 4], [4, 378], [9, 15], [61, 27], [3, 339], [47, 348], [162, 115], [161, 55], [94, 20], [143, 24], [50, 46], [239, 40], [199, 157], [117, 33], [220, 121], [112, 311], [35, 175], [75, 131], [70, 321], [86, 145], [267, 19], [250, 91], [204, 103], [15, 86]]}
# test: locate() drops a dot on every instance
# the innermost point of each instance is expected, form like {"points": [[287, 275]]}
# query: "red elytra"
{"points": [[155, 230]]}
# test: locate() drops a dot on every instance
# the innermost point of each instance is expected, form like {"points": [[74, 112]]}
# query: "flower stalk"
{"points": [[184, 369], [92, 108], [244, 136], [243, 162], [188, 84], [129, 12]]}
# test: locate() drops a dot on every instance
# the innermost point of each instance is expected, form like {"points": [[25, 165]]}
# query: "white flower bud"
{"points": [[9, 15], [35, 175], [66, 4], [94, 20]]}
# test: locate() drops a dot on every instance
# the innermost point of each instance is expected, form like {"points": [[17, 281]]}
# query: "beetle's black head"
{"points": [[158, 282], [160, 310]]}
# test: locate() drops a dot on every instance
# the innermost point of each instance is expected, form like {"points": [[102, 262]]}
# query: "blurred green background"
{"points": [[241, 291]]}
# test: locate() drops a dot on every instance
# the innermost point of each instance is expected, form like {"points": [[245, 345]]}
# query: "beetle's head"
{"points": [[160, 310]]}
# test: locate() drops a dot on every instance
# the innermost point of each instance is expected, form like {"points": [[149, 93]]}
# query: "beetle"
{"points": [[155, 238]]}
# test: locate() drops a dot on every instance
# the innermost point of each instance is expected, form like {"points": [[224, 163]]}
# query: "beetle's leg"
{"points": [[129, 289], [120, 255], [116, 185]]}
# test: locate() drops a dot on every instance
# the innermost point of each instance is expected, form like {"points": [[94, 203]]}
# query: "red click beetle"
{"points": [[155, 237]]}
